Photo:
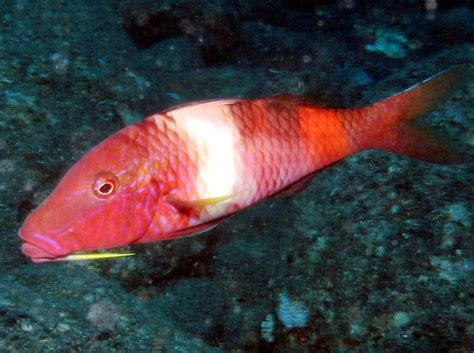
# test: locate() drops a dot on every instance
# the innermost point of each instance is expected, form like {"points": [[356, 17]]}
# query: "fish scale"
{"points": [[270, 141]]}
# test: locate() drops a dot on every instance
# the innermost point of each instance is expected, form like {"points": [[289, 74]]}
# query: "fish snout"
{"points": [[37, 246], [35, 253]]}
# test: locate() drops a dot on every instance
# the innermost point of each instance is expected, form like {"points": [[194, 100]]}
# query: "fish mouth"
{"points": [[38, 254], [37, 246]]}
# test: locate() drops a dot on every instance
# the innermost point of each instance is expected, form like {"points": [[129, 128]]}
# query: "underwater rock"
{"points": [[188, 302], [455, 26], [210, 27], [177, 54], [268, 328], [309, 5], [105, 318], [292, 313], [290, 49], [390, 43]]}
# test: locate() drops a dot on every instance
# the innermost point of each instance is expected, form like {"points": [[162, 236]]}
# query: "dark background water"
{"points": [[375, 256]]}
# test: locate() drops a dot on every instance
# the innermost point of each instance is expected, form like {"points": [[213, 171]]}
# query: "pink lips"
{"points": [[36, 253], [38, 247]]}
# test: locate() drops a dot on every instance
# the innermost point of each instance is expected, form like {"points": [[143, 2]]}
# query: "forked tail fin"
{"points": [[388, 126]]}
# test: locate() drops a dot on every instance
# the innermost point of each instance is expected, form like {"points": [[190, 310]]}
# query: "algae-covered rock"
{"points": [[64, 308]]}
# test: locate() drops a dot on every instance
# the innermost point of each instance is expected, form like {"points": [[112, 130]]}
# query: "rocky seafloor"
{"points": [[376, 255]]}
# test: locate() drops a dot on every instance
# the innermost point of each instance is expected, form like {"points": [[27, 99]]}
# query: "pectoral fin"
{"points": [[199, 202], [188, 205]]}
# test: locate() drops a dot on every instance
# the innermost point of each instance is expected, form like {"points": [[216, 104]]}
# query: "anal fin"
{"points": [[201, 228], [295, 187]]}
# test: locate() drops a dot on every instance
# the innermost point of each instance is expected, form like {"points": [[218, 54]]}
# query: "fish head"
{"points": [[107, 199]]}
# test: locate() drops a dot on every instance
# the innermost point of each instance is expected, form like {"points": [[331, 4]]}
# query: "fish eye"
{"points": [[105, 185]]}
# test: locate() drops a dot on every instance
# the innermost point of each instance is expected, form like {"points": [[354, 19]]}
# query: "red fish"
{"points": [[182, 171]]}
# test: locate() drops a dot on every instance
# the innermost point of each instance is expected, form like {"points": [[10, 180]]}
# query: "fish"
{"points": [[183, 171]]}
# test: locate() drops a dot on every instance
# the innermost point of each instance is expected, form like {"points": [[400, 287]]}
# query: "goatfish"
{"points": [[184, 170]]}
